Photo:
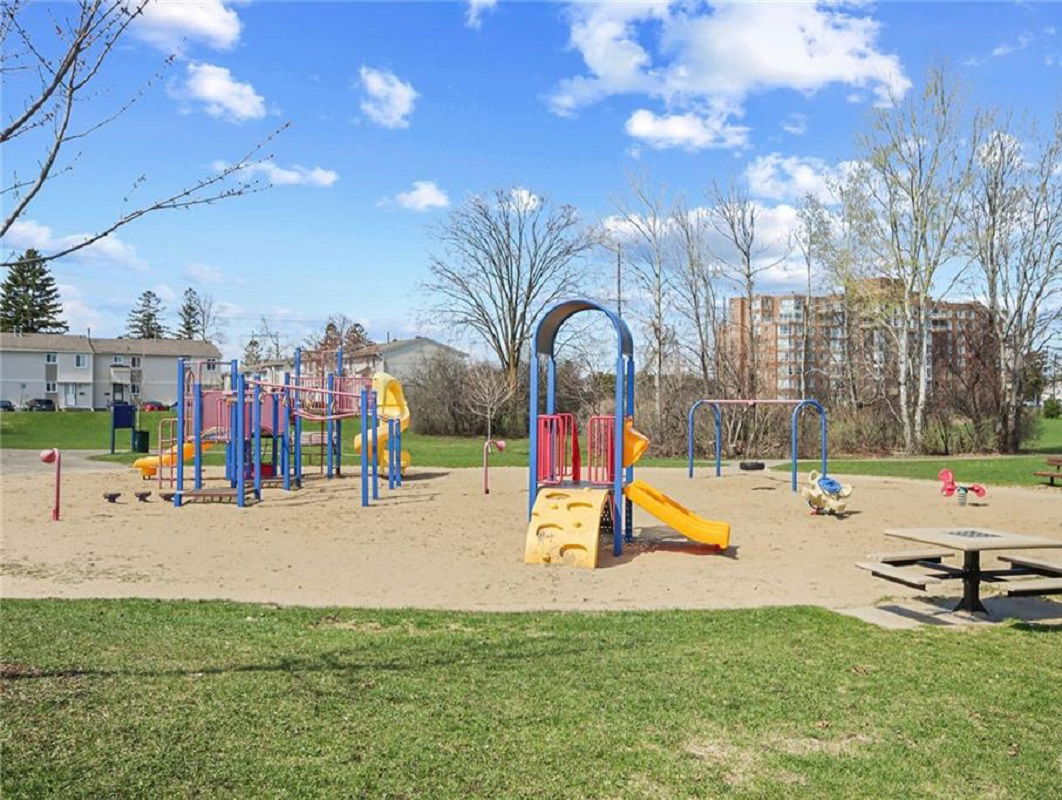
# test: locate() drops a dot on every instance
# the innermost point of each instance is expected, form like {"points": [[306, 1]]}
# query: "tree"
{"points": [[208, 318], [486, 391], [648, 225], [30, 298], [503, 259], [1014, 236], [697, 290], [189, 324], [340, 331], [811, 234], [145, 320], [53, 79], [915, 176], [252, 352]]}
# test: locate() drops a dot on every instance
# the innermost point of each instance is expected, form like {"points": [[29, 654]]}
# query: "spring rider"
{"points": [[826, 495], [950, 487]]}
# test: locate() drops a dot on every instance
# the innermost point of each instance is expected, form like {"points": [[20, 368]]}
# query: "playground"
{"points": [[440, 542]]}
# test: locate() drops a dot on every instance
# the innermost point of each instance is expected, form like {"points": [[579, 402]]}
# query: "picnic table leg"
{"points": [[971, 583]]}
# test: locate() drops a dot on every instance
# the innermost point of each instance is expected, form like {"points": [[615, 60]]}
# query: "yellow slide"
{"points": [[390, 403], [149, 465], [677, 516]]}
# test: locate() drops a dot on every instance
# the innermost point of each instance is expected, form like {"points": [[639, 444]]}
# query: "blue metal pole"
{"points": [[330, 425], [793, 444], [298, 419], [375, 449], [628, 507], [689, 438], [617, 466], [363, 413], [823, 427], [197, 432], [256, 422], [180, 434], [398, 453], [275, 399], [532, 433], [551, 385], [718, 414], [390, 454], [285, 450], [339, 422], [230, 445], [241, 441]]}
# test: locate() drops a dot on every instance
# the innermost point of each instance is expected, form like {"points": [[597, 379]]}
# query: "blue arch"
{"points": [[543, 344]]}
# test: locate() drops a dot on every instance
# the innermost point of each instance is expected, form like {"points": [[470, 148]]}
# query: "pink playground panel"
{"points": [[558, 448]]}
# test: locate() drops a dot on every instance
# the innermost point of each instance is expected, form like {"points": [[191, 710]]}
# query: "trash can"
{"points": [[141, 442]]}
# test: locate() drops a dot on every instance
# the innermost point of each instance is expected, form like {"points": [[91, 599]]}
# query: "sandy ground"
{"points": [[440, 543]]}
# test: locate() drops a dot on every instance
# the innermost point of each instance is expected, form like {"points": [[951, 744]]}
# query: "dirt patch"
{"points": [[439, 542]]}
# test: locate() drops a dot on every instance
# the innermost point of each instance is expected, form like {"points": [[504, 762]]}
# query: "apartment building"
{"points": [[816, 339], [83, 372]]}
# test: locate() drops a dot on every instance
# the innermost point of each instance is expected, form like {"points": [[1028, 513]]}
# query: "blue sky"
{"points": [[398, 110]]}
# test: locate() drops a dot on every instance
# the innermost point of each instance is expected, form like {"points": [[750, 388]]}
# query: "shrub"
{"points": [[1052, 408]]}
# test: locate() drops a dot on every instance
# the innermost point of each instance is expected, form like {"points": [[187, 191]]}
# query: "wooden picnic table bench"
{"points": [[898, 575], [904, 558], [1052, 461]]}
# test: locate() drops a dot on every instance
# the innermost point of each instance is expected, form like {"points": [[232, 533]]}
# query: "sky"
{"points": [[398, 111]]}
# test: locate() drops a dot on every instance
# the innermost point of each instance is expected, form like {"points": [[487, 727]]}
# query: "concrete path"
{"points": [[21, 462]]}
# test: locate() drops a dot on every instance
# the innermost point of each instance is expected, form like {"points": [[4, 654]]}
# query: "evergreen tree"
{"points": [[30, 298], [252, 352], [190, 325], [145, 320]]}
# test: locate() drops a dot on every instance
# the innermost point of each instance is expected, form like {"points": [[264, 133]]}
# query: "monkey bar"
{"points": [[717, 413]]}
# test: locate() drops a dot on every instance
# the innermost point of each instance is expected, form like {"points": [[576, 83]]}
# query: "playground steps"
{"points": [[565, 527], [215, 495]]}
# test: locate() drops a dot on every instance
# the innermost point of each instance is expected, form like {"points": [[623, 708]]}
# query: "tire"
{"points": [[751, 466]]}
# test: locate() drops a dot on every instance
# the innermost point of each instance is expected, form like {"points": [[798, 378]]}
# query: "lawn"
{"points": [[178, 699]]}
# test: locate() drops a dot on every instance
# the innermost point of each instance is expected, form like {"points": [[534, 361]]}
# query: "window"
{"points": [[50, 358], [49, 387], [211, 366], [117, 359], [80, 360], [134, 388], [135, 360]]}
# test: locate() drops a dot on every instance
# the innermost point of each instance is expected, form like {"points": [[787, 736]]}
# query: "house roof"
{"points": [[395, 345], [66, 343]]}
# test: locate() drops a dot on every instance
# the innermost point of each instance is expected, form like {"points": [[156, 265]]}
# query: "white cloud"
{"points": [[166, 293], [388, 100], [473, 17], [424, 196], [295, 175], [796, 124], [524, 199], [222, 95], [1006, 48], [689, 131], [109, 251], [78, 314], [779, 177], [708, 60], [203, 274], [171, 24]]}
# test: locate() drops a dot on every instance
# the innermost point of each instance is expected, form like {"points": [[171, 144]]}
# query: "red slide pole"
{"points": [[50, 457]]}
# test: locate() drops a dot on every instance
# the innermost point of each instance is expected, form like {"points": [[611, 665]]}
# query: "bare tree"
{"points": [[733, 216], [274, 347], [697, 290], [68, 62], [1014, 236], [208, 318], [916, 176], [811, 235], [647, 224], [505, 257], [487, 390]]}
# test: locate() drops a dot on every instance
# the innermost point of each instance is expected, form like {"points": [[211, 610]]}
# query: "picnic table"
{"points": [[1052, 461], [971, 542]]}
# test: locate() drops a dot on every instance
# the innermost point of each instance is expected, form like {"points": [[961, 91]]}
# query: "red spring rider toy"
{"points": [[950, 487]]}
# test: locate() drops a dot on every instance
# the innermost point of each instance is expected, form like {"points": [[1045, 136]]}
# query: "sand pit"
{"points": [[440, 543]]}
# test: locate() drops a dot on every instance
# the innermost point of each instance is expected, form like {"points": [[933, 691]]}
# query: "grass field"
{"points": [[179, 699]]}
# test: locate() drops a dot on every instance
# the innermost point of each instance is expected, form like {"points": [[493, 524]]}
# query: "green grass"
{"points": [[179, 699], [82, 430]]}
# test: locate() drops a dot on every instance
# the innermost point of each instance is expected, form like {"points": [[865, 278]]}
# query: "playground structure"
{"points": [[826, 495], [717, 413], [950, 487], [260, 425], [567, 505]]}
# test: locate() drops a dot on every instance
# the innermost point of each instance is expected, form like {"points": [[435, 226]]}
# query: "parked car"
{"points": [[40, 404], [6, 405], [153, 405]]}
